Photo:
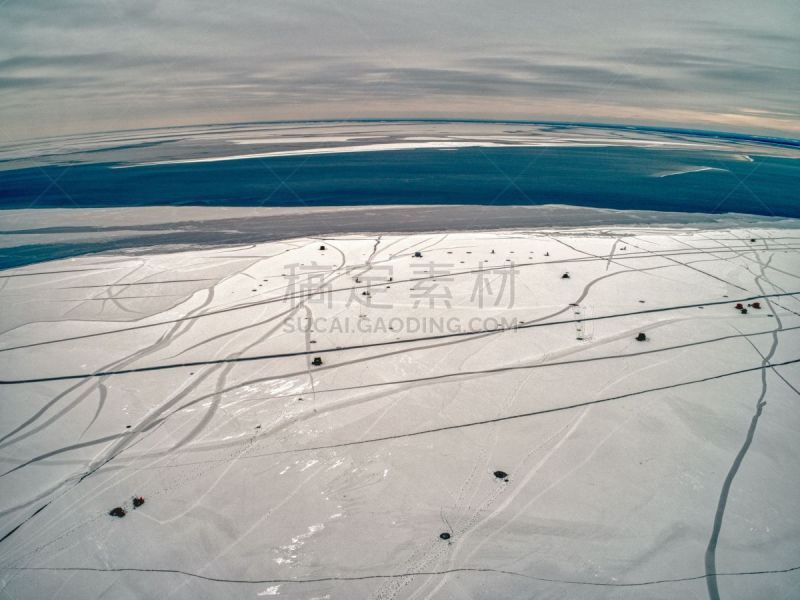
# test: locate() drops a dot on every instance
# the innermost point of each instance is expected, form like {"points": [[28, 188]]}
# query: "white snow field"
{"points": [[664, 468]]}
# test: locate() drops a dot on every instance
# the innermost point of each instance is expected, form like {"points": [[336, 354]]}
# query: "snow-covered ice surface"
{"points": [[661, 469]]}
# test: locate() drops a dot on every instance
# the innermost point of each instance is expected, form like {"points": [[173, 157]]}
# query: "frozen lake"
{"points": [[473, 391]]}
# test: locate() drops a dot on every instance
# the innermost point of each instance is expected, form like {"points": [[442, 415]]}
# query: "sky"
{"points": [[96, 65]]}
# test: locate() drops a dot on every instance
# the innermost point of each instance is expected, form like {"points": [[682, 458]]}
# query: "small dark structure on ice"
{"points": [[417, 254], [118, 512], [565, 276], [501, 475], [322, 247], [317, 361], [756, 305], [641, 337], [739, 306], [744, 311], [444, 536], [138, 501]]}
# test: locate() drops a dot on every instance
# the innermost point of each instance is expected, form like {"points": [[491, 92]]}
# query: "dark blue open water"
{"points": [[607, 177]]}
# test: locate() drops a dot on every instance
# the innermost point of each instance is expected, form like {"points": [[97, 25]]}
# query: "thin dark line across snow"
{"points": [[384, 343], [309, 294], [399, 575]]}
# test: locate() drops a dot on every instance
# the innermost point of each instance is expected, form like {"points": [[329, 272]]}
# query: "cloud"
{"points": [[132, 64]]}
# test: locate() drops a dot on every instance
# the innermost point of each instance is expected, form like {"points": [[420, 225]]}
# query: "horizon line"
{"points": [[753, 137]]}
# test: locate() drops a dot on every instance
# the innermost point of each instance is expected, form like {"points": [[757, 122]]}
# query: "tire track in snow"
{"points": [[66, 449], [459, 334], [411, 574], [711, 549], [313, 293], [520, 415]]}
